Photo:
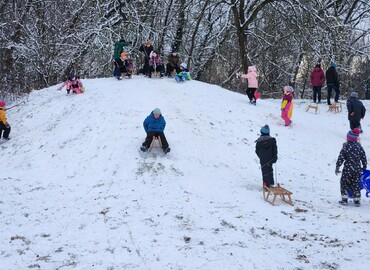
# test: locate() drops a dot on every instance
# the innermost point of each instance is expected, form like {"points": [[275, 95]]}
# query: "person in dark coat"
{"points": [[356, 111], [266, 150], [173, 63], [332, 82], [354, 158], [154, 125], [146, 48], [317, 81]]}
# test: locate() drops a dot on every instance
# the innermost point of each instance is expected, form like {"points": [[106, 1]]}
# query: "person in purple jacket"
{"points": [[154, 125], [317, 81]]}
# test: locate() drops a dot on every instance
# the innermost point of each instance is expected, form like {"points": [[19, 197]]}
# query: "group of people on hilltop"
{"points": [[153, 62]]}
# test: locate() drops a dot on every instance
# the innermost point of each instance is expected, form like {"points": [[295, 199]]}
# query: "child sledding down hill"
{"points": [[73, 83], [184, 74], [287, 105]]}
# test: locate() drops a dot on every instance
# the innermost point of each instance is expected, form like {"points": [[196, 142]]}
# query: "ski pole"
{"points": [[15, 105]]}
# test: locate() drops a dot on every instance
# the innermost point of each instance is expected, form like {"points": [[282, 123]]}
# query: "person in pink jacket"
{"points": [[73, 83], [252, 81], [287, 105]]}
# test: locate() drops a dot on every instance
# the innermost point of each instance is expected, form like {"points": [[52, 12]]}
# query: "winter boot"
{"points": [[166, 150], [357, 203], [144, 148], [344, 201]]}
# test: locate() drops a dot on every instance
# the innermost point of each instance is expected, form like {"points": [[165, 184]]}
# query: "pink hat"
{"points": [[2, 103]]}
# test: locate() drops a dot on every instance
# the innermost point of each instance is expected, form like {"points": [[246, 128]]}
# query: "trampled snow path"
{"points": [[78, 194]]}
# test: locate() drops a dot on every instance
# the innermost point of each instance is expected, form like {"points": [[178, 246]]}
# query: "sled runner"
{"points": [[156, 143], [335, 107], [277, 191], [314, 106]]}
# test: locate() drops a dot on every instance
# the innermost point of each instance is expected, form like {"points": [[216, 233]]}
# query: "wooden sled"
{"points": [[335, 107], [277, 191], [156, 142], [313, 106]]}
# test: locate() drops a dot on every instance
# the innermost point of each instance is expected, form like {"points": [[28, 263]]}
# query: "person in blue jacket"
{"points": [[154, 125]]}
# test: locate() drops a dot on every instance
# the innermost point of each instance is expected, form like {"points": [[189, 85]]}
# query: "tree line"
{"points": [[43, 41]]}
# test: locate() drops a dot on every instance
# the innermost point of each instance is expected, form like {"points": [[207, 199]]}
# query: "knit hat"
{"points": [[156, 111], [265, 130], [183, 65], [2, 103], [289, 88], [333, 64], [354, 94], [352, 135]]}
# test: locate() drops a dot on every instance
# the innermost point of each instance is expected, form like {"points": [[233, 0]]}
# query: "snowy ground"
{"points": [[78, 194]]}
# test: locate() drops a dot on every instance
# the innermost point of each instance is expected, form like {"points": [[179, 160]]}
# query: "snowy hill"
{"points": [[78, 194]]}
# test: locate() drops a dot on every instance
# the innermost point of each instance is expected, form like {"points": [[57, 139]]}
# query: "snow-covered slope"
{"points": [[78, 194]]}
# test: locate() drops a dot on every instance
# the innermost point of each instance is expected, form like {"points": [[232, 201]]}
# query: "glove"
{"points": [[337, 171]]}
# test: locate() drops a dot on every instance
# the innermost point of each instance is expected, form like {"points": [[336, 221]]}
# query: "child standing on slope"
{"points": [[4, 125], [252, 83], [287, 105], [266, 150], [354, 158]]}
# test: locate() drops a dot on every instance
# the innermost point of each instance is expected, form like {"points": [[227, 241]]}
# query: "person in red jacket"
{"points": [[317, 81]]}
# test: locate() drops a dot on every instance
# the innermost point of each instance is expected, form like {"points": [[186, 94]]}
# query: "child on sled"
{"points": [[184, 74], [73, 83], [123, 67]]}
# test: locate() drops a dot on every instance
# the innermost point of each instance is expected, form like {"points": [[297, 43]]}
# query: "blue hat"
{"points": [[333, 64], [265, 130], [156, 111]]}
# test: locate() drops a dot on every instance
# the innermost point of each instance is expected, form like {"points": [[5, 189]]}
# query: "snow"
{"points": [[78, 194]]}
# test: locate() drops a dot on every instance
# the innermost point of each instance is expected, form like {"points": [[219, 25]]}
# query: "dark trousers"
{"points": [[354, 124], [267, 174], [170, 69], [159, 69], [330, 89], [250, 93], [316, 93], [350, 182], [146, 66], [6, 130], [149, 139]]}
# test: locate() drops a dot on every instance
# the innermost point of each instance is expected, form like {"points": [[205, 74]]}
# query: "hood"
{"points": [[265, 141], [252, 69]]}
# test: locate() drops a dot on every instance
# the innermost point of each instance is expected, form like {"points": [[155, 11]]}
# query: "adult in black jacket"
{"points": [[356, 111], [146, 48], [332, 82], [266, 150]]}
